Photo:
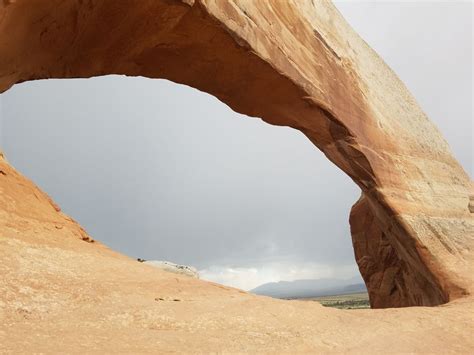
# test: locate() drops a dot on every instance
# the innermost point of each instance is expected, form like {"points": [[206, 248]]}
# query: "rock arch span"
{"points": [[293, 63]]}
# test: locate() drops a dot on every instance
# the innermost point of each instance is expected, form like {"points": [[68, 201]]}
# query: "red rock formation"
{"points": [[295, 63], [59, 293]]}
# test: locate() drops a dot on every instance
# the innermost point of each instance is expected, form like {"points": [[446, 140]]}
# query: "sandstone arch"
{"points": [[294, 63]]}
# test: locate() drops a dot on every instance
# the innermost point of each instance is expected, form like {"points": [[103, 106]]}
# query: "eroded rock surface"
{"points": [[62, 294], [295, 63]]}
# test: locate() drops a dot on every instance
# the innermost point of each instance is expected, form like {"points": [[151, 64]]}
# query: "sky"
{"points": [[161, 171]]}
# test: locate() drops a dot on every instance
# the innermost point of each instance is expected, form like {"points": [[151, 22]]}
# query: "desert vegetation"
{"points": [[348, 301]]}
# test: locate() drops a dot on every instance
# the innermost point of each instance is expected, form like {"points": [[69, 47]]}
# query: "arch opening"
{"points": [[410, 237], [160, 171]]}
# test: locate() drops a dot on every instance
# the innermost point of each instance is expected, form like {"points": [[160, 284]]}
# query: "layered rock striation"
{"points": [[295, 63]]}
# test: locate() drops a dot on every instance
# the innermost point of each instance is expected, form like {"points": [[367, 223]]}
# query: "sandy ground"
{"points": [[60, 294]]}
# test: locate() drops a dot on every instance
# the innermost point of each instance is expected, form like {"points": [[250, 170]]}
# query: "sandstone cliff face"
{"points": [[295, 63]]}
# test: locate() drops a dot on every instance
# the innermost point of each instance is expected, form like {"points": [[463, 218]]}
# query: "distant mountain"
{"points": [[310, 288]]}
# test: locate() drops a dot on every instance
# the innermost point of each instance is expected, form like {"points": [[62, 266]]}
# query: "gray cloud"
{"points": [[161, 171]]}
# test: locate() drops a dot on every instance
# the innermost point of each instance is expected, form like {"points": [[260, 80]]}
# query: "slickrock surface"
{"points": [[62, 293], [294, 63]]}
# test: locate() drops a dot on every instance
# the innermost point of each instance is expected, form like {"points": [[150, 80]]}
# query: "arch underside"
{"points": [[291, 63]]}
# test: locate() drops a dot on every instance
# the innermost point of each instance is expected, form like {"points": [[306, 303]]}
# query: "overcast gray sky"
{"points": [[162, 171]]}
